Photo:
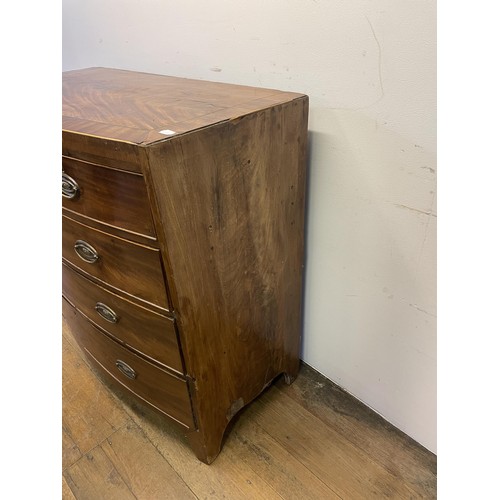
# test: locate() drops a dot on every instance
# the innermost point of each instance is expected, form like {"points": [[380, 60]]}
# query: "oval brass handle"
{"points": [[125, 369], [86, 252], [106, 312], [70, 188]]}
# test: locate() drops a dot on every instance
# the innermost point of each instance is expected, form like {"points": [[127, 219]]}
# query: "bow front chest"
{"points": [[182, 239]]}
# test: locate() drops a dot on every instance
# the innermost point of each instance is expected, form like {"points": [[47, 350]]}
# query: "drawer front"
{"points": [[132, 268], [113, 197], [163, 391], [149, 333]]}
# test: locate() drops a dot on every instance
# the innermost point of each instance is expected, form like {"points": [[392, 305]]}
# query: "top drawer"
{"points": [[114, 197]]}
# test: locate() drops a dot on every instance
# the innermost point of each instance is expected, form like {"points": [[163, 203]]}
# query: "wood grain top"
{"points": [[135, 107]]}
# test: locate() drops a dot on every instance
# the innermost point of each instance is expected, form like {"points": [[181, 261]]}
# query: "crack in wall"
{"points": [[379, 62]]}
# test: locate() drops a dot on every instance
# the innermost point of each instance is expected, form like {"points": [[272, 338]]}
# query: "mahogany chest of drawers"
{"points": [[182, 239]]}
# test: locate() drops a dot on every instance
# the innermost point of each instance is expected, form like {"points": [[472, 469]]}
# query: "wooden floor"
{"points": [[309, 440]]}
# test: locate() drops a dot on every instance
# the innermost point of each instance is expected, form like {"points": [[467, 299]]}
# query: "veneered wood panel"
{"points": [[103, 151], [238, 294], [162, 390], [129, 267], [116, 198], [135, 107], [144, 330]]}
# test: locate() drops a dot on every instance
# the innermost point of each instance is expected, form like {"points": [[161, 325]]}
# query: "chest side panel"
{"points": [[232, 201]]}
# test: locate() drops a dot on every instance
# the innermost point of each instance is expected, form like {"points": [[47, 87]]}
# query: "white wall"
{"points": [[369, 68]]}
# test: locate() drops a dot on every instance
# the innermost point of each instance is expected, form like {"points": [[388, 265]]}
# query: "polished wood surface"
{"points": [[111, 153], [128, 267], [116, 198], [141, 329], [224, 168], [238, 295], [285, 445], [161, 390], [135, 107]]}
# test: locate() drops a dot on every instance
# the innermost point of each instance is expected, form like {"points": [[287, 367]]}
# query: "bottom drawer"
{"points": [[163, 391]]}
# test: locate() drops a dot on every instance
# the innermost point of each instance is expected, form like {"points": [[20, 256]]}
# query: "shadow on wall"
{"points": [[370, 285], [310, 143]]}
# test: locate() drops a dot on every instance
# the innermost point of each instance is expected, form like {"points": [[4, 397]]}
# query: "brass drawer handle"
{"points": [[106, 312], [125, 369], [86, 252], [70, 188]]}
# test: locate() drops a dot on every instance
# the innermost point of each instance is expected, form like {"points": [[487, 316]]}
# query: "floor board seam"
{"points": [[116, 429], [370, 456], [145, 434], [299, 460]]}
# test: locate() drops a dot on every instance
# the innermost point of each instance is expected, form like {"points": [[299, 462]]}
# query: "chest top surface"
{"points": [[143, 108]]}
